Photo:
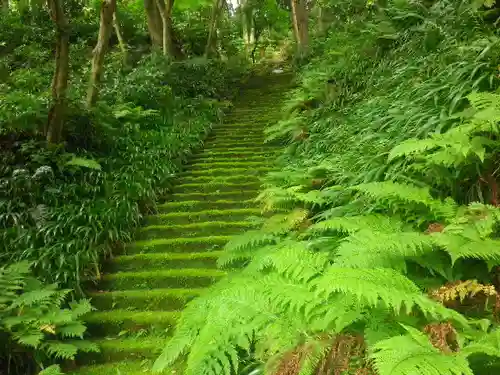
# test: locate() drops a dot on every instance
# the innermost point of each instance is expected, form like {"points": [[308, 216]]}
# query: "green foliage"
{"points": [[33, 319], [392, 160]]}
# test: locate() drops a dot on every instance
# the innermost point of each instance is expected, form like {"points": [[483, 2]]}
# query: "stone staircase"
{"points": [[174, 257]]}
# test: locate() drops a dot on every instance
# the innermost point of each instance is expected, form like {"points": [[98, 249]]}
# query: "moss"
{"points": [[216, 187], [155, 299], [214, 196], [215, 159], [195, 206], [219, 179], [120, 368], [125, 348], [231, 164], [226, 171], [222, 228], [165, 260], [204, 215], [105, 323], [178, 244], [174, 278]]}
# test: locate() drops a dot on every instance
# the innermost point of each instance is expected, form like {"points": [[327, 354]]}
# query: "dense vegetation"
{"points": [[96, 117], [384, 256], [386, 261]]}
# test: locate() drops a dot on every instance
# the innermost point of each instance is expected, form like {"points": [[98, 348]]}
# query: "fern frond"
{"points": [[52, 370], [60, 350], [392, 191], [468, 246], [367, 248], [352, 224], [414, 354]]}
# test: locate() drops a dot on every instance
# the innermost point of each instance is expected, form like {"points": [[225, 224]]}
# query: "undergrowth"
{"points": [[386, 259]]}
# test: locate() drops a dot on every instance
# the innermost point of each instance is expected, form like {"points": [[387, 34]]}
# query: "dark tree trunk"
{"points": [[108, 8], [57, 111]]}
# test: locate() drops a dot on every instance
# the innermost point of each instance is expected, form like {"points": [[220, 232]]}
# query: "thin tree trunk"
{"points": [[154, 23], [161, 9], [301, 24], [4, 5], [210, 49], [121, 40], [60, 78], [107, 10], [169, 45]]}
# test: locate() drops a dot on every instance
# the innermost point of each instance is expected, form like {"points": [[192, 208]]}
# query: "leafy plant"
{"points": [[33, 319]]}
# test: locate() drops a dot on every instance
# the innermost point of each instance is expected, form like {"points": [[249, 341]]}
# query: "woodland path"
{"points": [[175, 256]]}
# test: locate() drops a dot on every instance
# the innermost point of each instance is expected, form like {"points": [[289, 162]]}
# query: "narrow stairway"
{"points": [[175, 256]]}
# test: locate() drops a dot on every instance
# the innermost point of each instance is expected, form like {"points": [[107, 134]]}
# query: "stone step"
{"points": [[194, 244], [151, 261], [154, 299], [175, 278], [201, 229]]}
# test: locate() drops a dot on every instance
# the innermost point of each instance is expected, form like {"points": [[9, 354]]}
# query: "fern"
{"points": [[418, 357]]}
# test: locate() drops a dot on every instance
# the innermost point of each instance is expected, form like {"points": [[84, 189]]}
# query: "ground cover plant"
{"points": [[101, 104], [386, 259]]}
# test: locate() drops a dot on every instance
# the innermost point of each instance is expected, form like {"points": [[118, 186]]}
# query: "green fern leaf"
{"points": [[60, 350], [413, 354], [52, 370]]}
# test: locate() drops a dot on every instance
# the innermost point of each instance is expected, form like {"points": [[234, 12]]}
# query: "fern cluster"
{"points": [[386, 260], [32, 318]]}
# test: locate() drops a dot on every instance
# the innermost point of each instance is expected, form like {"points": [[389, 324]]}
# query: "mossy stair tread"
{"points": [[207, 224], [217, 204], [177, 244], [204, 214], [216, 186], [226, 171], [121, 368], [163, 260], [208, 180], [166, 299], [230, 164], [117, 321], [168, 278]]}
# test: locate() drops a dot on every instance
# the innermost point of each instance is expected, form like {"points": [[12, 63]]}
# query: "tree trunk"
{"points": [[121, 40], [60, 79], [211, 47], [4, 5], [301, 24], [106, 26], [169, 45], [154, 23]]}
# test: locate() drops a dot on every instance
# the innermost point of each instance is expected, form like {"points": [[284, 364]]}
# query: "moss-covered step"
{"points": [[120, 322], [206, 215], [164, 261], [217, 159], [174, 278], [238, 149], [227, 145], [230, 179], [127, 367], [154, 299], [201, 229], [229, 164], [231, 135], [235, 195], [227, 171], [216, 186], [130, 348], [240, 153], [195, 206], [194, 244]]}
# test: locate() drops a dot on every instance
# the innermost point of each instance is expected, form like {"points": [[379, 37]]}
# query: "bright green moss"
{"points": [[227, 171], [197, 229], [178, 244], [129, 348], [154, 299], [120, 368], [216, 186], [231, 164], [195, 206], [166, 260], [214, 196], [173, 278], [205, 215], [105, 323]]}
